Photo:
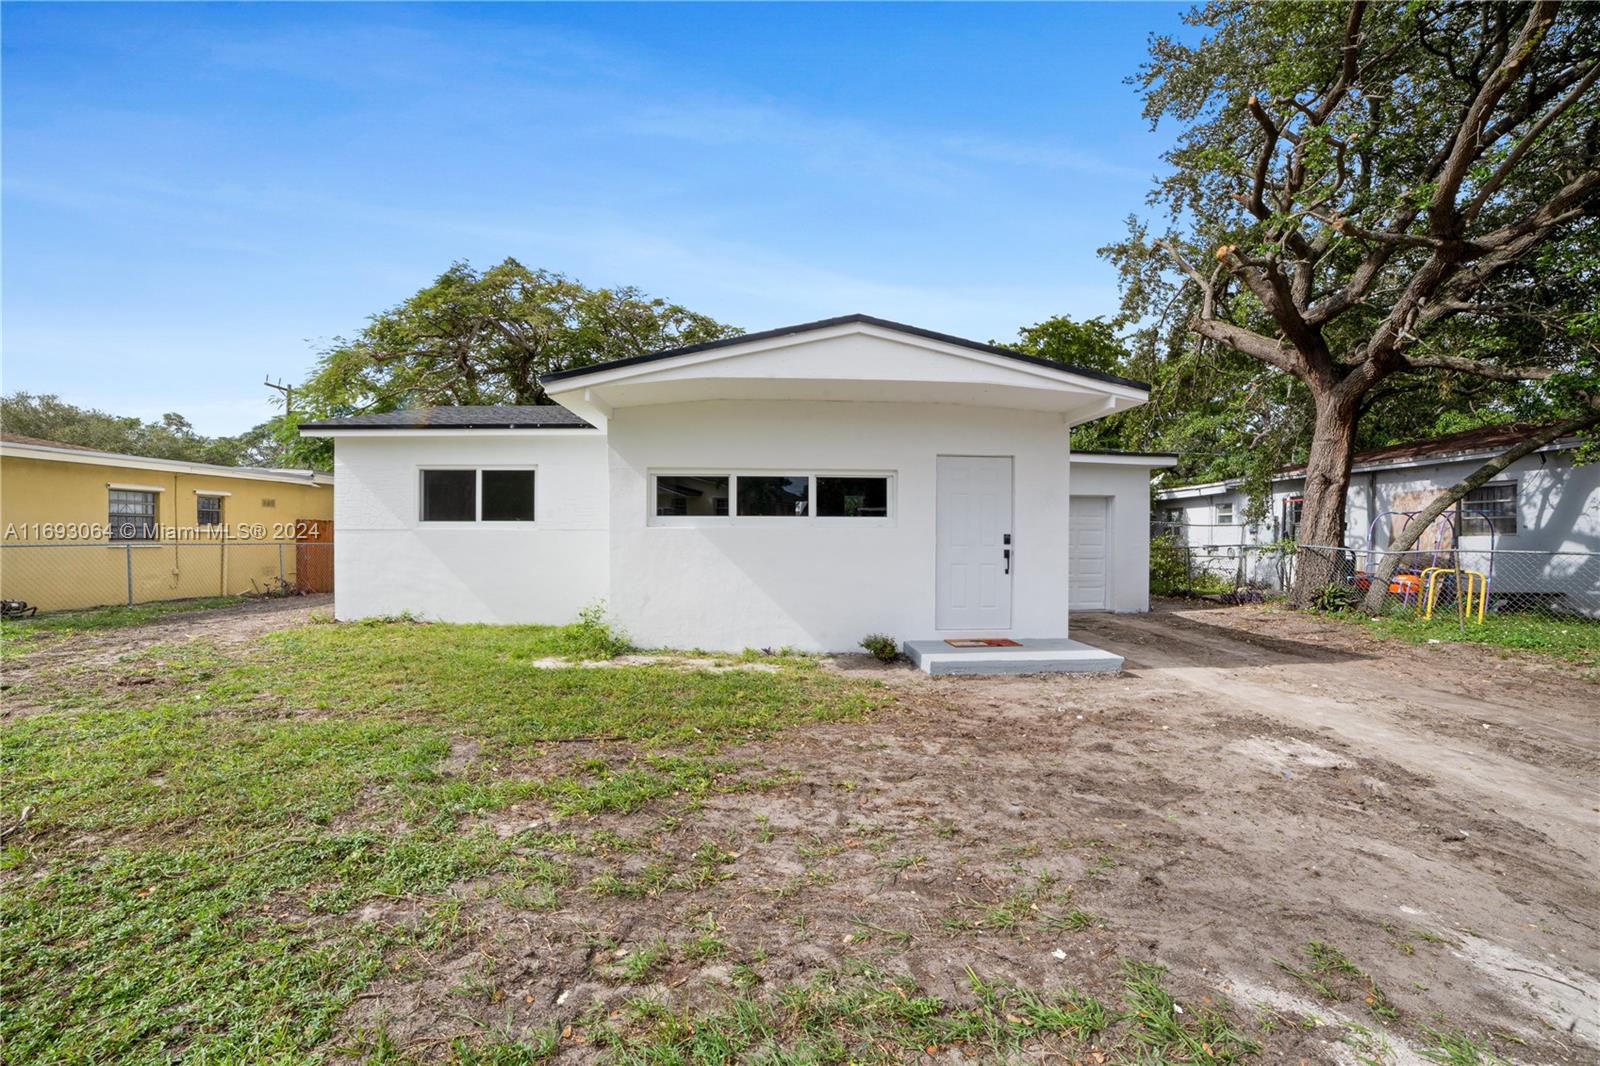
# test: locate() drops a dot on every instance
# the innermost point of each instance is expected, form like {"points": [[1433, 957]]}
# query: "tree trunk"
{"points": [[1333, 440], [1450, 497]]}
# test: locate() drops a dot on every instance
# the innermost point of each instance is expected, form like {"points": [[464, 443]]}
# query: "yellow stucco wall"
{"points": [[65, 505]]}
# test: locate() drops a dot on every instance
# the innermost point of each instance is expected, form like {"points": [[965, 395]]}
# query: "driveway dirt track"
{"points": [[1383, 786]]}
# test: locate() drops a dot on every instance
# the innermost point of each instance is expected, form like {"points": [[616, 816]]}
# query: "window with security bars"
{"points": [[1489, 509], [133, 515], [208, 511]]}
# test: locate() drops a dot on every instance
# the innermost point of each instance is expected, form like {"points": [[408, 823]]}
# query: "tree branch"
{"points": [[1482, 370], [1444, 218], [1514, 157]]}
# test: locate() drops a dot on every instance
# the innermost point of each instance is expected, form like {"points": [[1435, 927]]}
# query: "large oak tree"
{"points": [[484, 337], [1360, 190]]}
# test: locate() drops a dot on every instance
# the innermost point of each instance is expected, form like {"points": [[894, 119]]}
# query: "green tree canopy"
{"points": [[48, 417], [482, 337]]}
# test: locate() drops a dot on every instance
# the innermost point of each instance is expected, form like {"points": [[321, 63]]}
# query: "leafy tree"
{"points": [[48, 417], [1090, 345], [484, 337], [1361, 196]]}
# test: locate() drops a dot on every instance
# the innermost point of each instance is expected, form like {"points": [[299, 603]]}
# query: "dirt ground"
{"points": [[223, 626], [1255, 780]]}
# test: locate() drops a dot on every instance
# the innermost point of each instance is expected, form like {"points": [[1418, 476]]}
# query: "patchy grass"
{"points": [[64, 623], [1330, 974], [863, 1014], [189, 877], [1572, 640]]}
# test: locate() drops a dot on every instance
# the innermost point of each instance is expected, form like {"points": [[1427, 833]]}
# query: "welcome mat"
{"points": [[984, 642]]}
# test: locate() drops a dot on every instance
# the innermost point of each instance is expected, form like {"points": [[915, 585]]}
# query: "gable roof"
{"points": [[485, 416], [827, 323]]}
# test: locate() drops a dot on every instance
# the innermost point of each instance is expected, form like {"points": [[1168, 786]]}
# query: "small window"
{"points": [[701, 495], [1293, 508], [508, 495], [774, 496], [449, 495], [208, 511], [1224, 514], [133, 515], [1490, 509], [852, 497]]}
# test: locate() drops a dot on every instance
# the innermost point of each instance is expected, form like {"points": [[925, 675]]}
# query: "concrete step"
{"points": [[1031, 656]]}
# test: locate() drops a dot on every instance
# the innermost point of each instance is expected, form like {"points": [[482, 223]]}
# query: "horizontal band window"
{"points": [[711, 495]]}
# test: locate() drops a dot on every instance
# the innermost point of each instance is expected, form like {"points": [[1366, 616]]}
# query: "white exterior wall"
{"points": [[387, 561], [1127, 492], [1558, 510], [814, 585]]}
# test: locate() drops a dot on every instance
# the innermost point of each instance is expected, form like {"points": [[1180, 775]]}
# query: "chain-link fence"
{"points": [[69, 576], [1466, 583], [1188, 559], [1177, 568]]}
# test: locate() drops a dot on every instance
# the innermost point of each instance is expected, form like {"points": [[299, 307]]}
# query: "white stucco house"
{"points": [[800, 487], [1542, 504]]}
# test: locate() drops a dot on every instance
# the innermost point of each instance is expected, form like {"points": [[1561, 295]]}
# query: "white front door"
{"points": [[972, 587], [1087, 549]]}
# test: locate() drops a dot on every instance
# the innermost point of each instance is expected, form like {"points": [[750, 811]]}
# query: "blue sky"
{"points": [[196, 196]]}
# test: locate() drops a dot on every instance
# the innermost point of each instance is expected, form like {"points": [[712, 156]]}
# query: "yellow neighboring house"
{"points": [[83, 528]]}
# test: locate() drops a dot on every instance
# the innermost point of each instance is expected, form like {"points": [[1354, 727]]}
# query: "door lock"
{"points": [[1006, 539]]}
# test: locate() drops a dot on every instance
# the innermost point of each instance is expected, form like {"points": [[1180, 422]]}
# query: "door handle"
{"points": [[1008, 560]]}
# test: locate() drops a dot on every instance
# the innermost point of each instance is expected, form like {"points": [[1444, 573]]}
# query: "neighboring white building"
{"points": [[1541, 503], [801, 487]]}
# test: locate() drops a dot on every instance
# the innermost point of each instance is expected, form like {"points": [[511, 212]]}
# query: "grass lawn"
{"points": [[59, 623], [181, 884], [1574, 641]]}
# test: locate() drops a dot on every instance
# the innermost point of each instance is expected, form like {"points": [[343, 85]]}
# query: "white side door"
{"points": [[1087, 550], [972, 586]]}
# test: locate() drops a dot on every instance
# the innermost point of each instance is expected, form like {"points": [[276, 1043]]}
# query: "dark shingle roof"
{"points": [[806, 327], [1484, 438], [492, 416]]}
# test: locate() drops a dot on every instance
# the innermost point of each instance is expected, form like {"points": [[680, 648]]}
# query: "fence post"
{"points": [[222, 567], [128, 550], [281, 581]]}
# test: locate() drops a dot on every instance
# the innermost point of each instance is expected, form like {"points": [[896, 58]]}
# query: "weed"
{"points": [[1328, 966], [643, 963], [881, 647], [1173, 1032], [593, 635], [1458, 1048], [1072, 921]]}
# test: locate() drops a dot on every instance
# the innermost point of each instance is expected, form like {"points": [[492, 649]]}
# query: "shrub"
{"points": [[1169, 569], [1333, 596], [881, 647], [593, 636]]}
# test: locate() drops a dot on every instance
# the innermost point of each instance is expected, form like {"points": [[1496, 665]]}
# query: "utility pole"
{"points": [[288, 394]]}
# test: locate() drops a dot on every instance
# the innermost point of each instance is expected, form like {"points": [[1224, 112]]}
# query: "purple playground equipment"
{"points": [[1406, 581]]}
